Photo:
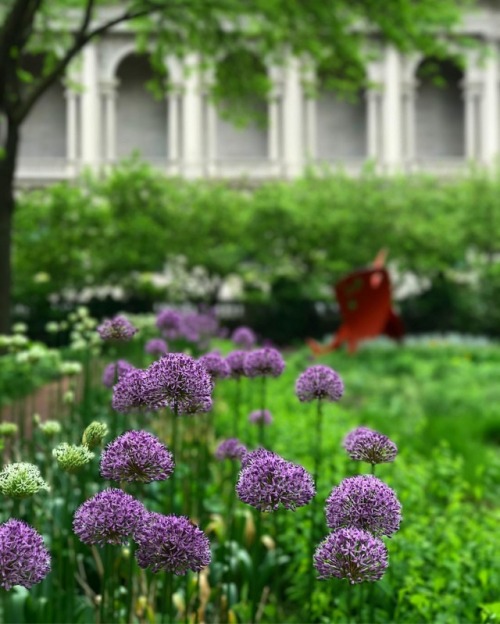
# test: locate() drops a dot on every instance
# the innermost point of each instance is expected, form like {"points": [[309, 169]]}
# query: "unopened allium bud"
{"points": [[50, 428], [68, 397], [21, 480], [70, 368], [72, 458], [8, 429], [94, 434]]}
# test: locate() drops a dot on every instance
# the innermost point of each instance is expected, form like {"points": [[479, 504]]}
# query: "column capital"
{"points": [[109, 87]]}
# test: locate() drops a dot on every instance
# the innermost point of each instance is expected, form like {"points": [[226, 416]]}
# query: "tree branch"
{"points": [[20, 16], [80, 40]]}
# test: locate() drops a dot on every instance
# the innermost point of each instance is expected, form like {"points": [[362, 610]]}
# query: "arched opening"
{"points": [[239, 137], [43, 133], [440, 111], [141, 120], [341, 122]]}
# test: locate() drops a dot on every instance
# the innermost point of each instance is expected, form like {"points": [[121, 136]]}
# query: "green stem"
{"points": [[262, 435], [175, 435], [256, 565], [168, 605], [237, 407], [316, 451]]}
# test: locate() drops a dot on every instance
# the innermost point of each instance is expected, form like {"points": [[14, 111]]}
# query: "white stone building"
{"points": [[402, 123]]}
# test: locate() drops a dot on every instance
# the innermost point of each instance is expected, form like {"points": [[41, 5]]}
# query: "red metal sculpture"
{"points": [[364, 298]]}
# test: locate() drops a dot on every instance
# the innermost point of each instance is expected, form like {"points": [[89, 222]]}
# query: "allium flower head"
{"points": [[71, 457], [21, 480], [265, 362], [128, 393], [24, 560], [244, 337], [364, 502], [231, 448], [169, 323], [156, 347], [215, 365], [8, 429], [109, 517], [115, 371], [137, 456], [199, 327], [117, 329], [370, 446], [319, 382], [50, 428], [235, 361], [351, 554], [267, 481], [94, 434], [179, 381], [171, 544], [261, 416]]}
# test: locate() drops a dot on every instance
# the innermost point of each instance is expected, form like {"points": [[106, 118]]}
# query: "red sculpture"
{"points": [[364, 298]]}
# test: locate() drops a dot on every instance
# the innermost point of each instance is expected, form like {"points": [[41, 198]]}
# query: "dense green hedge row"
{"points": [[286, 240]]}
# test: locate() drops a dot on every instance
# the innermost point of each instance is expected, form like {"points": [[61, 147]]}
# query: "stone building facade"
{"points": [[403, 122]]}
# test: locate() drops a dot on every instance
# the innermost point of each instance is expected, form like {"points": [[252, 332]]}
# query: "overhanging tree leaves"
{"points": [[326, 32]]}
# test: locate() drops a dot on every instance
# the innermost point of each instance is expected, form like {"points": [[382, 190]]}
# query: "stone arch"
{"points": [[242, 142], [43, 134], [341, 123], [141, 120], [439, 110]]}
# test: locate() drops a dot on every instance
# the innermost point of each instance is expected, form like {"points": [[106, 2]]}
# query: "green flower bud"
{"points": [[68, 397], [52, 327], [21, 480], [94, 434], [19, 328], [70, 368], [50, 428], [8, 429], [72, 458]]}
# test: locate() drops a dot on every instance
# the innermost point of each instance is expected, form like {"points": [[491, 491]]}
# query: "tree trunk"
{"points": [[7, 172]]}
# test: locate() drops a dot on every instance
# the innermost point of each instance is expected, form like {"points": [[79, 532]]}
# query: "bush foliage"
{"points": [[286, 241]]}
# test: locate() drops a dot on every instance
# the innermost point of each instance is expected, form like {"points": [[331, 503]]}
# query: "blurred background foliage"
{"points": [[285, 243]]}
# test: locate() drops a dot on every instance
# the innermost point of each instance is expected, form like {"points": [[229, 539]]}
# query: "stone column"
{"points": [[391, 114], [490, 109], [173, 128], [274, 135], [71, 131], [293, 121], [90, 108], [473, 138], [373, 133], [109, 94], [192, 114], [409, 123]]}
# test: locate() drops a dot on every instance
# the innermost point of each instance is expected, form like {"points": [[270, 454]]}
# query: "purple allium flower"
{"points": [[265, 362], [267, 480], [116, 329], [136, 456], [244, 337], [261, 416], [179, 381], [169, 323], [114, 371], [199, 327], [156, 347], [24, 560], [171, 544], [364, 444], [215, 364], [235, 361], [231, 448], [364, 502], [351, 554], [319, 382], [128, 393], [109, 517]]}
